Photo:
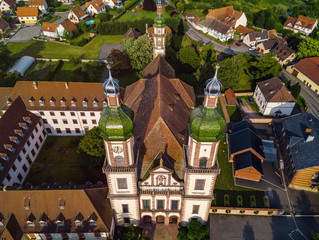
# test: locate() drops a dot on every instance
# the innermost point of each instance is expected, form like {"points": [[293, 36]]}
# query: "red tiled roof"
{"points": [[310, 68], [68, 25], [9, 2], [3, 24], [244, 30], [27, 11], [49, 27], [78, 11], [226, 15], [132, 33], [97, 4], [229, 94]]}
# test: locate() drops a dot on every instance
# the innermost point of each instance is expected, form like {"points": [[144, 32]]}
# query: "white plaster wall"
{"points": [[133, 207], [241, 21], [19, 165], [130, 179], [191, 180], [161, 197], [188, 209], [286, 108], [50, 34], [53, 126]]}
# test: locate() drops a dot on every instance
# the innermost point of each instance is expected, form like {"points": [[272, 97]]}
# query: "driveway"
{"points": [[26, 34], [311, 98], [248, 111], [231, 227], [62, 17]]}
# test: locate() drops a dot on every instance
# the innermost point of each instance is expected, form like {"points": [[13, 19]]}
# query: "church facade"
{"points": [[161, 151]]}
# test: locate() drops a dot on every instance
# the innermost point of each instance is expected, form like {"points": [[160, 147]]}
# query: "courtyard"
{"points": [[59, 161]]}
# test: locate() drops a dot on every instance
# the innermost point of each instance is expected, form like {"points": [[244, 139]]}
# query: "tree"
{"points": [[104, 17], [82, 26], [280, 10], [195, 231], [119, 61], [4, 57], [139, 51], [308, 47], [67, 35], [149, 5], [92, 144], [189, 56], [180, 7], [295, 90], [133, 233], [314, 236]]}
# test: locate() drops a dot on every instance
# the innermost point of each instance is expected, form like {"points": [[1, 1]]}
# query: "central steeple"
{"points": [[159, 31]]}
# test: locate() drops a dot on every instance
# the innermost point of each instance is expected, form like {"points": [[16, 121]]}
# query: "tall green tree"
{"points": [[119, 61], [308, 47], [4, 57], [189, 57], [195, 231], [295, 90], [139, 51]]}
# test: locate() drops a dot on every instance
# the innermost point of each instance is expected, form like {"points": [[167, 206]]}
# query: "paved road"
{"points": [[26, 34], [230, 50], [62, 17], [311, 98]]}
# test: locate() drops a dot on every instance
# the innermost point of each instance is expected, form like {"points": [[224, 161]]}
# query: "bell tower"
{"points": [[116, 126], [159, 31], [205, 131]]}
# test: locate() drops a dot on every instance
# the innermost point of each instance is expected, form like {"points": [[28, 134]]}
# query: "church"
{"points": [[161, 150]]}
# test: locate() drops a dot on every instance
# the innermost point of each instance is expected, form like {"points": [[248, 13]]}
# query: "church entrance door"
{"points": [[173, 220], [147, 219], [160, 219]]}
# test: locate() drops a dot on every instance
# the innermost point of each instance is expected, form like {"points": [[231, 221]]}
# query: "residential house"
{"points": [[22, 136], [40, 4], [266, 46], [65, 26], [243, 31], [307, 72], [95, 7], [253, 38], [7, 5], [132, 33], [216, 29], [298, 138], [50, 29], [27, 15], [56, 212], [230, 97], [113, 3], [77, 14], [302, 24], [190, 17], [245, 151], [228, 16], [273, 98], [284, 54], [3, 26]]}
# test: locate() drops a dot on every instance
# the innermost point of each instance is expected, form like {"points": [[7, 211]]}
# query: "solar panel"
{"points": [[270, 151]]}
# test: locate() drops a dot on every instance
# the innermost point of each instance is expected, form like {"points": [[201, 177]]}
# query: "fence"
{"points": [[66, 60]]}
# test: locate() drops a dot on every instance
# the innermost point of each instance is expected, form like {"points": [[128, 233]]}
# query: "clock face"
{"points": [[117, 149]]}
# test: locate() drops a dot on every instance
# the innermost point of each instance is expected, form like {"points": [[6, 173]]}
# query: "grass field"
{"points": [[56, 50], [138, 15], [61, 162], [233, 113]]}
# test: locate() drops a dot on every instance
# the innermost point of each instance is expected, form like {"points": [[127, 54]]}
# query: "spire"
{"points": [[213, 86], [111, 86]]}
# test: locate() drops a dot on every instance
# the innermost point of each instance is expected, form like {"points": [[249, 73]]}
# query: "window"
{"points": [[37, 145], [159, 43], [77, 130], [14, 168], [62, 113], [20, 177], [58, 130], [8, 177], [119, 161], [41, 139], [52, 114], [82, 114], [203, 162], [68, 130], [92, 114], [121, 183], [72, 113], [75, 121], [41, 113], [127, 220], [32, 152], [199, 184], [174, 204], [65, 121], [195, 209], [84, 121], [146, 204], [49, 130], [160, 204], [93, 121], [125, 208], [45, 121], [24, 168]]}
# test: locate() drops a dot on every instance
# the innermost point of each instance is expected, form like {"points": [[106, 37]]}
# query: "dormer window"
{"points": [[61, 203], [52, 102], [9, 102], [31, 101], [63, 102], [4, 156], [30, 220], [73, 102], [60, 220], [43, 220], [19, 132], [104, 103], [78, 220], [26, 203], [14, 139], [9, 147], [95, 102], [23, 125], [27, 119], [85, 102], [92, 219], [41, 101]]}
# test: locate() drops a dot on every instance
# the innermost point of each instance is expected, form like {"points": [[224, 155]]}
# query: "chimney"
{"points": [[67, 85], [35, 85]]}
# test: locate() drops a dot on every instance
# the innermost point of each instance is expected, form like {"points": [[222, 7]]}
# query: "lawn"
{"points": [[252, 105], [56, 50], [139, 15], [225, 182], [233, 113], [59, 161]]}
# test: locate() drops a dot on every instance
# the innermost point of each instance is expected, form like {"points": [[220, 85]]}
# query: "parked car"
{"points": [[250, 99], [252, 48], [238, 44], [240, 101]]}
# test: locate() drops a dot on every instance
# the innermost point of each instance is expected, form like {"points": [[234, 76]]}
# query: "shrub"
{"points": [[228, 211], [242, 211], [253, 201], [256, 212], [36, 167], [226, 200], [239, 201]]}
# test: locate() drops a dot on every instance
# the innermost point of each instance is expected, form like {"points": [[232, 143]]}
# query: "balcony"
{"points": [[215, 169], [163, 192]]}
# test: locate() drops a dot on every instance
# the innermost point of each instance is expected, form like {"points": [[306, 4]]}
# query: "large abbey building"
{"points": [[161, 151]]}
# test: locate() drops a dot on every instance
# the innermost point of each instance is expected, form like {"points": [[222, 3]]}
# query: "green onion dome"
{"points": [[116, 123], [159, 21], [206, 124]]}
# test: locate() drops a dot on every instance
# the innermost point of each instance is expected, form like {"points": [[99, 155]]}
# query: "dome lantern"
{"points": [[213, 86], [111, 86]]}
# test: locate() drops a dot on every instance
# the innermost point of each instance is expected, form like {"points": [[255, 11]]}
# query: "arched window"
{"points": [[119, 161], [203, 162], [159, 43]]}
